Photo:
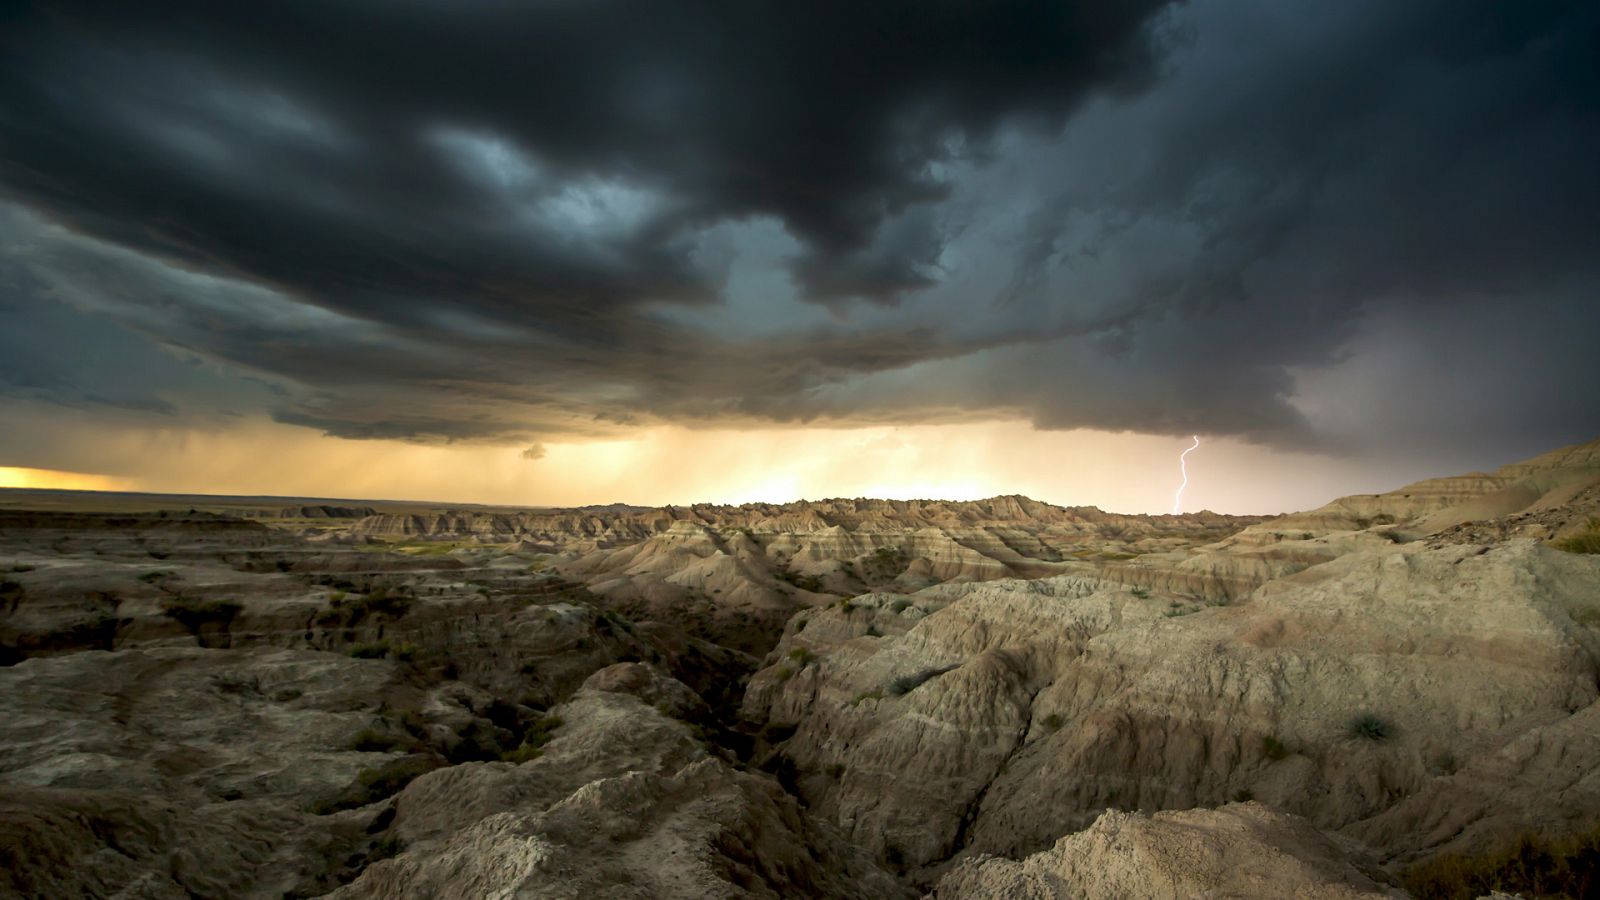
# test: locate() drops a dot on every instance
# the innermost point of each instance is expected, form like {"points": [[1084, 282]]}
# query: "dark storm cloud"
{"points": [[491, 221], [349, 150]]}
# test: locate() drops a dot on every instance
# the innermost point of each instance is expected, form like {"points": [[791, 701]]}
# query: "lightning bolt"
{"points": [[1177, 499]]}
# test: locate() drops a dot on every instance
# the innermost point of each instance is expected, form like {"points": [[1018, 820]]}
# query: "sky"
{"points": [[577, 251]]}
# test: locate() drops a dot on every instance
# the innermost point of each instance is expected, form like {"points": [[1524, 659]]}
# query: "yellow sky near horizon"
{"points": [[656, 466], [50, 479]]}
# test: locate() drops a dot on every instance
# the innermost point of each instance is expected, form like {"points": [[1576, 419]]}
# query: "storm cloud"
{"points": [[524, 222]]}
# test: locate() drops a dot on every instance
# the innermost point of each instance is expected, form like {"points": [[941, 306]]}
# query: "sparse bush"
{"points": [[1053, 722], [873, 630], [866, 695], [1141, 593], [371, 740], [1585, 541], [783, 673], [1532, 866], [533, 741], [1273, 749], [802, 655], [1370, 727], [386, 848], [406, 652], [377, 650], [905, 684], [900, 606], [337, 597], [389, 778], [1590, 617], [845, 606]]}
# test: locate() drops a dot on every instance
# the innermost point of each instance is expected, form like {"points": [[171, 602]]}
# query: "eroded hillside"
{"points": [[837, 699]]}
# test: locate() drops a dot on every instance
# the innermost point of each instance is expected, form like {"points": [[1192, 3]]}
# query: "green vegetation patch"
{"points": [[1585, 541], [1370, 727], [1531, 866], [534, 740]]}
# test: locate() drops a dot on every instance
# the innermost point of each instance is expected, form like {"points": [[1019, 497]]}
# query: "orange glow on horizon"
{"points": [[50, 479]]}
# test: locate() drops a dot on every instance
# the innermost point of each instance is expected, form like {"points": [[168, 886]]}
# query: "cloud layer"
{"points": [[524, 223]]}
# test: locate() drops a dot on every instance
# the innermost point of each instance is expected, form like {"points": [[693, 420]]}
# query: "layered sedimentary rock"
{"points": [[997, 717]]}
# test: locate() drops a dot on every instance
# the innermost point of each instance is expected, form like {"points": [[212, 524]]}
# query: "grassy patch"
{"points": [[1585, 541], [1531, 866], [1141, 593], [533, 741], [783, 673], [377, 650], [1370, 727], [802, 655]]}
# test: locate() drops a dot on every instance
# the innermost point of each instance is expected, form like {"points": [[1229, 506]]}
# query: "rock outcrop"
{"points": [[1239, 850]]}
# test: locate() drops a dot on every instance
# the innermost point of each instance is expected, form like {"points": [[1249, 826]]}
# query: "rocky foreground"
{"points": [[1398, 694]]}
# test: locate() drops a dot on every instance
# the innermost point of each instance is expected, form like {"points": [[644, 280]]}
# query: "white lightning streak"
{"points": [[1177, 499]]}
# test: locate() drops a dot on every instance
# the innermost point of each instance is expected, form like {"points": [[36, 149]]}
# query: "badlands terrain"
{"points": [[1393, 695]]}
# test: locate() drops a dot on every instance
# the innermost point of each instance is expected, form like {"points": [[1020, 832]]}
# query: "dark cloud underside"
{"points": [[511, 221]]}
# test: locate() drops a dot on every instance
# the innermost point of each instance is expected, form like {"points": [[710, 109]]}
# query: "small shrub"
{"points": [[866, 695], [19, 567], [533, 742], [406, 652], [1370, 727], [389, 778], [835, 770], [386, 848], [1273, 749], [337, 597], [900, 606], [376, 650], [845, 606], [1531, 866], [1141, 593], [1590, 617], [1585, 541], [153, 577], [1053, 722], [783, 673], [802, 655], [905, 684], [1243, 796], [874, 631]]}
